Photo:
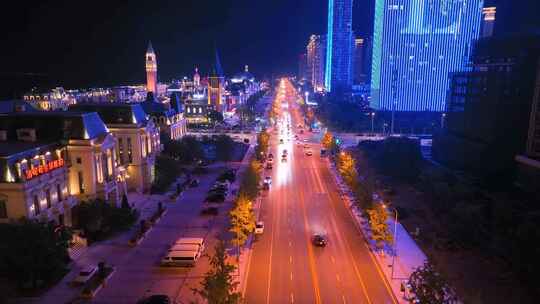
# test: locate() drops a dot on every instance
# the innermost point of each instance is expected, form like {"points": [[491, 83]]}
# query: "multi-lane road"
{"points": [[303, 200]]}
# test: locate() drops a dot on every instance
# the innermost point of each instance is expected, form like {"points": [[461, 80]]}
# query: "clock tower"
{"points": [[151, 70]]}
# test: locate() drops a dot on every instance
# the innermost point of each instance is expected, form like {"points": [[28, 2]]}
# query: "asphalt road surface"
{"points": [[303, 200]]}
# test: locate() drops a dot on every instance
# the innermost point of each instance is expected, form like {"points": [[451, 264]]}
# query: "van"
{"points": [[190, 241], [180, 258], [185, 247]]}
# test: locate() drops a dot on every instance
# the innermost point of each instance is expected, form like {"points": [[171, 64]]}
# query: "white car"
{"points": [[259, 227], [268, 180], [85, 274]]}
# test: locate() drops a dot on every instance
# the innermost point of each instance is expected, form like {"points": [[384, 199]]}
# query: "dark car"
{"points": [[194, 183], [319, 240], [155, 299]]}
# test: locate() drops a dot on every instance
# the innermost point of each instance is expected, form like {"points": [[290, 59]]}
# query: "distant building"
{"points": [[151, 70], [339, 52], [196, 109], [359, 53], [316, 55], [169, 117], [216, 92], [489, 108], [488, 21], [415, 46], [302, 67]]}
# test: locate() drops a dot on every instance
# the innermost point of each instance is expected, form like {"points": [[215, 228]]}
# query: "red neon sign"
{"points": [[41, 169]]}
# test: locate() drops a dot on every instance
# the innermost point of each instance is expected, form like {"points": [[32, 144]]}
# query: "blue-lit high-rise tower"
{"points": [[339, 45], [416, 43]]}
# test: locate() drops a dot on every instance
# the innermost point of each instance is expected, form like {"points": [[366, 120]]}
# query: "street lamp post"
{"points": [[395, 239], [443, 116], [372, 123]]}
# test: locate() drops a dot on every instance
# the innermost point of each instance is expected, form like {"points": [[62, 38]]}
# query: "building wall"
{"points": [[339, 52], [20, 198], [87, 160], [416, 44]]}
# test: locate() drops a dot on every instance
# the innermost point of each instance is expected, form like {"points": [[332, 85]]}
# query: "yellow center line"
{"points": [[311, 258]]}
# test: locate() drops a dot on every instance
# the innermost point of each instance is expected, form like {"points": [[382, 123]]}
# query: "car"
{"points": [[85, 274], [281, 140], [309, 153], [266, 186], [155, 299], [319, 240], [268, 180], [259, 227], [269, 165], [194, 183], [284, 158], [270, 156], [285, 152], [305, 140]]}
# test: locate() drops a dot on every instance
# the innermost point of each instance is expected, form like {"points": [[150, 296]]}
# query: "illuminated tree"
{"points": [[380, 232], [347, 168], [263, 139], [428, 286], [218, 285], [327, 140], [242, 220]]}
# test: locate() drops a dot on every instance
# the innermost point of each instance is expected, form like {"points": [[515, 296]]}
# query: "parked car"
{"points": [[309, 153], [85, 274], [259, 227], [268, 180], [156, 299], [269, 165]]}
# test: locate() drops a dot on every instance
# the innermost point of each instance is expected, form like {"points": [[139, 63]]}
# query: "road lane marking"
{"points": [[291, 275], [338, 278], [311, 258], [343, 298], [290, 259], [333, 259], [290, 244], [292, 297]]}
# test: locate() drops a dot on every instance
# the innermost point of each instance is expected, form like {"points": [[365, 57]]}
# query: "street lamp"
{"points": [[443, 116], [395, 238], [372, 123]]}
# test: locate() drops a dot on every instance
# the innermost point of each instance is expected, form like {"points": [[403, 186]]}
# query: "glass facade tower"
{"points": [[416, 43], [339, 47]]}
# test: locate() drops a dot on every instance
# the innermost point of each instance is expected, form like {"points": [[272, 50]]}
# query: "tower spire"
{"points": [[150, 49]]}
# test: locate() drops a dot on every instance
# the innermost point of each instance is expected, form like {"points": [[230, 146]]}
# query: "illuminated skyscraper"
{"points": [[339, 46], [151, 69], [416, 43], [316, 53], [488, 21]]}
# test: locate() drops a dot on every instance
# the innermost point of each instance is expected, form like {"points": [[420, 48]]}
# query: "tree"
{"points": [[167, 170], [33, 253], [250, 180], [263, 139], [186, 150], [347, 168], [215, 116], [242, 220], [428, 286], [327, 140], [224, 147], [125, 202], [218, 285], [380, 232]]}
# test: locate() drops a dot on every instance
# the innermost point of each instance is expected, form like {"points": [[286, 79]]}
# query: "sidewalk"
{"points": [[112, 251], [408, 255]]}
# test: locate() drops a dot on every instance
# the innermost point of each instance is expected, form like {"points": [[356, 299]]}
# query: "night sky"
{"points": [[100, 43]]}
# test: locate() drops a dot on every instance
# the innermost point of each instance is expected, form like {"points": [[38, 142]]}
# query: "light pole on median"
{"points": [[372, 123], [395, 239]]}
